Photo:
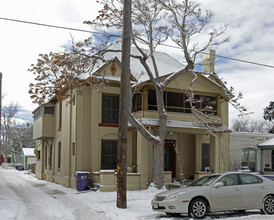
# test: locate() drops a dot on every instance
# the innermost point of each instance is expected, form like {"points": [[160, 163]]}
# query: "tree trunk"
{"points": [[6, 154], [158, 165]]}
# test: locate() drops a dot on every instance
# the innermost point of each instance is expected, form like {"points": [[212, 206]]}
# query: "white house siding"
{"points": [[242, 140]]}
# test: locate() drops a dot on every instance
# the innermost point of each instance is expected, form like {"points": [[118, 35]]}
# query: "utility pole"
{"points": [[123, 110]]}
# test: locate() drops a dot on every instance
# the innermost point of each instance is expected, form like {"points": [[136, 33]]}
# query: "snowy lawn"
{"points": [[22, 196]]}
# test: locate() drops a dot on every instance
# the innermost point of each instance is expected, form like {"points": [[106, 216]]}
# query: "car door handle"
{"points": [[263, 187], [237, 189]]}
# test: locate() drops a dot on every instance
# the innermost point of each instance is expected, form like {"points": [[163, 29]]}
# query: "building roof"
{"points": [[165, 63], [28, 151], [268, 143]]}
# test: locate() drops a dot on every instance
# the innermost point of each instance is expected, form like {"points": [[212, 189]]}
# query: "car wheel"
{"points": [[268, 205], [173, 214], [198, 208]]}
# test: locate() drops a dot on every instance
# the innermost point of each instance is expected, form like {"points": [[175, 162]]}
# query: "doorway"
{"points": [[170, 157]]}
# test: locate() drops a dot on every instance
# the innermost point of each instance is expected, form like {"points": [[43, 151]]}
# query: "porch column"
{"points": [[214, 153], [142, 160], [198, 152], [262, 162]]}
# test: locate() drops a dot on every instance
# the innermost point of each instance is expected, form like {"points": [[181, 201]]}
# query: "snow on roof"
{"points": [[28, 151], [109, 78], [182, 124], [268, 143], [165, 63]]}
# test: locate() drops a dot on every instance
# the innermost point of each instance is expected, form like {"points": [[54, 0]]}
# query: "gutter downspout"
{"points": [[70, 141]]}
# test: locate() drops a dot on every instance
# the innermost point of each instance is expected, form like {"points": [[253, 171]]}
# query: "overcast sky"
{"points": [[251, 29]]}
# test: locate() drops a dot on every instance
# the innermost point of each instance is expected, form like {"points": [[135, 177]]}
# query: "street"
{"points": [[26, 199], [23, 197]]}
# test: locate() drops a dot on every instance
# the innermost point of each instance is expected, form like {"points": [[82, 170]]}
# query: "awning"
{"points": [[184, 125], [267, 145]]}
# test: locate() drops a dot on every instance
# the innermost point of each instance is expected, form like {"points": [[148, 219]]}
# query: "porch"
{"points": [[267, 156], [188, 153], [106, 180]]}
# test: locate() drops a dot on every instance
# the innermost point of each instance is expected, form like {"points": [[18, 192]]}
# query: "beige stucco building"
{"points": [[82, 136]]}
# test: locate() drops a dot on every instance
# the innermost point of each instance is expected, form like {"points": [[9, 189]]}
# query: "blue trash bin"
{"points": [[81, 178]]}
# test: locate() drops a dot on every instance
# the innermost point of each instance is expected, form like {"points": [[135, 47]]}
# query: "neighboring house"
{"points": [[28, 157], [267, 155], [83, 136], [253, 150]]}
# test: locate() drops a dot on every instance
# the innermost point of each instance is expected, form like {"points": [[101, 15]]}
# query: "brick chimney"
{"points": [[209, 61]]}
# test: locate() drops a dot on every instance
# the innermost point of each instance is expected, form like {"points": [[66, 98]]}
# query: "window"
{"points": [[37, 114], [250, 179], [50, 156], [60, 115], [73, 99], [46, 156], [73, 149], [110, 109], [49, 110], [205, 156], [38, 155], [109, 155], [209, 105], [137, 102], [152, 102], [229, 180], [174, 101], [180, 102], [249, 158], [59, 156], [204, 181]]}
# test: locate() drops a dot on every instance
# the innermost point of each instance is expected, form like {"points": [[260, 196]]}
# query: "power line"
{"points": [[244, 61], [55, 26], [224, 57], [104, 33]]}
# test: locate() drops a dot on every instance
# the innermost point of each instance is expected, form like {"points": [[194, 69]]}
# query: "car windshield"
{"points": [[204, 181]]}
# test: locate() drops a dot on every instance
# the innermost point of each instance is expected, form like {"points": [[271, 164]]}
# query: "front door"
{"points": [[170, 158]]}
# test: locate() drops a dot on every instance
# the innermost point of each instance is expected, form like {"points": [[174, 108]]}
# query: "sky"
{"points": [[251, 31]]}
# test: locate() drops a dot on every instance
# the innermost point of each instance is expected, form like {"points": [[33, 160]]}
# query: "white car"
{"points": [[232, 191]]}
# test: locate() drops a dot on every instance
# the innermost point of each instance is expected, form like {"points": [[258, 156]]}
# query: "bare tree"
{"points": [[8, 113], [269, 115], [15, 134], [248, 125], [235, 161], [21, 137], [153, 22], [240, 125]]}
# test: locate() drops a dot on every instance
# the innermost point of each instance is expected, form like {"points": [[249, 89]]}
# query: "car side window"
{"points": [[250, 179], [229, 180]]}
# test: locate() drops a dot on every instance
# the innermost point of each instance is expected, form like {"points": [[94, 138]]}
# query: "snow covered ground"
{"points": [[23, 197]]}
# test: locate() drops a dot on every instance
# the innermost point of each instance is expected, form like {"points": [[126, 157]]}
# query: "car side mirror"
{"points": [[219, 184]]}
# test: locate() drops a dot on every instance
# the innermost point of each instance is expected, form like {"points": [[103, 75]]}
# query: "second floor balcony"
{"points": [[43, 126]]}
